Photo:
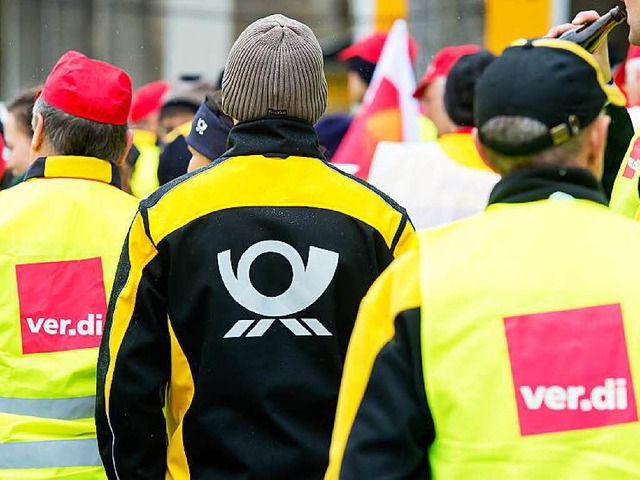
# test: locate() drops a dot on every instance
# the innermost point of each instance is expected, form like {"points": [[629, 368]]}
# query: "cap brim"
{"points": [[349, 52], [419, 92], [424, 83]]}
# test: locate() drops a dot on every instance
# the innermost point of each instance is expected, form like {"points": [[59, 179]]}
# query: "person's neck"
{"points": [[43, 151]]}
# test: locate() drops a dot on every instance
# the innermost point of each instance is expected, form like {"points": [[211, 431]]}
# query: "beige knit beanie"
{"points": [[275, 67]]}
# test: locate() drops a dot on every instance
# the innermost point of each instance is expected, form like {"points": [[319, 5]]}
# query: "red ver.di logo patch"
{"points": [[570, 369], [633, 161], [62, 305]]}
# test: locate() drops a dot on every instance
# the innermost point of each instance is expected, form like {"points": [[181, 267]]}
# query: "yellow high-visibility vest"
{"points": [[61, 232], [624, 197], [530, 341], [144, 178]]}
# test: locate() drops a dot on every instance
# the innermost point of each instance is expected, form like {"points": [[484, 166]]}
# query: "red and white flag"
{"points": [[388, 112]]}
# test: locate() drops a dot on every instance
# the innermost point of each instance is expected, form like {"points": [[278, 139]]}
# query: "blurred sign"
{"points": [[377, 15], [508, 20], [387, 11]]}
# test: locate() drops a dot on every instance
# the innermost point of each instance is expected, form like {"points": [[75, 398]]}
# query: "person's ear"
{"points": [[597, 143], [122, 159], [481, 150], [37, 141]]}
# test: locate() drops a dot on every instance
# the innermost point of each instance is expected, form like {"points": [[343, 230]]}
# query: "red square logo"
{"points": [[570, 370], [62, 305]]}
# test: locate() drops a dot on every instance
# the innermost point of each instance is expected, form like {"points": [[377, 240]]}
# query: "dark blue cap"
{"points": [[208, 135]]}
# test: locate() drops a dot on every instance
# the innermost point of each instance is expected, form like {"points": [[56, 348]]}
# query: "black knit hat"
{"points": [[461, 84]]}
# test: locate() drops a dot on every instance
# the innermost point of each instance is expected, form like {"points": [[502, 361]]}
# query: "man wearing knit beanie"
{"points": [[239, 286]]}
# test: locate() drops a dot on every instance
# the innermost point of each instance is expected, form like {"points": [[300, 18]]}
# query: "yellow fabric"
{"points": [[395, 291], [346, 196], [143, 251], [182, 129], [469, 288], [180, 395], [80, 473], [78, 167], [428, 130], [57, 218], [624, 196], [460, 147], [144, 178]]}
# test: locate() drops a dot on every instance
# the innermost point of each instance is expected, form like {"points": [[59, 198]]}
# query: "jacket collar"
{"points": [[63, 166], [273, 137], [532, 185]]}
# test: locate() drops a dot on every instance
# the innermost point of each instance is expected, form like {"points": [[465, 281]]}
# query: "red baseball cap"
{"points": [[89, 88], [442, 63], [147, 100], [369, 48]]}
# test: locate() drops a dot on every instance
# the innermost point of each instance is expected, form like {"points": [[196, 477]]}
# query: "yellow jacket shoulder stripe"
{"points": [[249, 181]]}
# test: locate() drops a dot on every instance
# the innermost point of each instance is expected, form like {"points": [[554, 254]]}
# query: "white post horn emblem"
{"points": [[307, 285]]}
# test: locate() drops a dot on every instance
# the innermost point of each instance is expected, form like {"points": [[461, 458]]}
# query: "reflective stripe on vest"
{"points": [[55, 408], [50, 454], [530, 341], [624, 197]]}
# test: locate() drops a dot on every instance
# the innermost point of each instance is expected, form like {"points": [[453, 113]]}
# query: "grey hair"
{"points": [[516, 131], [70, 135]]}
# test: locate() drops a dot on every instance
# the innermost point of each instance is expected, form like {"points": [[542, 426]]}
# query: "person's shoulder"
{"points": [[125, 200], [8, 200], [365, 189], [174, 187], [631, 225], [399, 284]]}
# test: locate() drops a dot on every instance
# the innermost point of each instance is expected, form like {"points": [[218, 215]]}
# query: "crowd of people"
{"points": [[191, 289]]}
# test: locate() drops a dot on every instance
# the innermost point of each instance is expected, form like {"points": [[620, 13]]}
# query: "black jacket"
{"points": [[237, 291]]}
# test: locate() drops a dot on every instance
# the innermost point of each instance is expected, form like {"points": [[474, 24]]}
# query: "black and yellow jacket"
{"points": [[235, 298], [384, 424]]}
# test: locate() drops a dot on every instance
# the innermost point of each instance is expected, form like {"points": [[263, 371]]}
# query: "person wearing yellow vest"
{"points": [[180, 105], [210, 129], [143, 119], [504, 345], [440, 182], [431, 87], [620, 178], [60, 236], [459, 94]]}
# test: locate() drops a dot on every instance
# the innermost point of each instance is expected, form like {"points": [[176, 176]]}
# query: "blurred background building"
{"points": [[155, 39]]}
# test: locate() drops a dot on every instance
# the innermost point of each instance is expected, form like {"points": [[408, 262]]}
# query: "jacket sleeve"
{"points": [[383, 427], [134, 365]]}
